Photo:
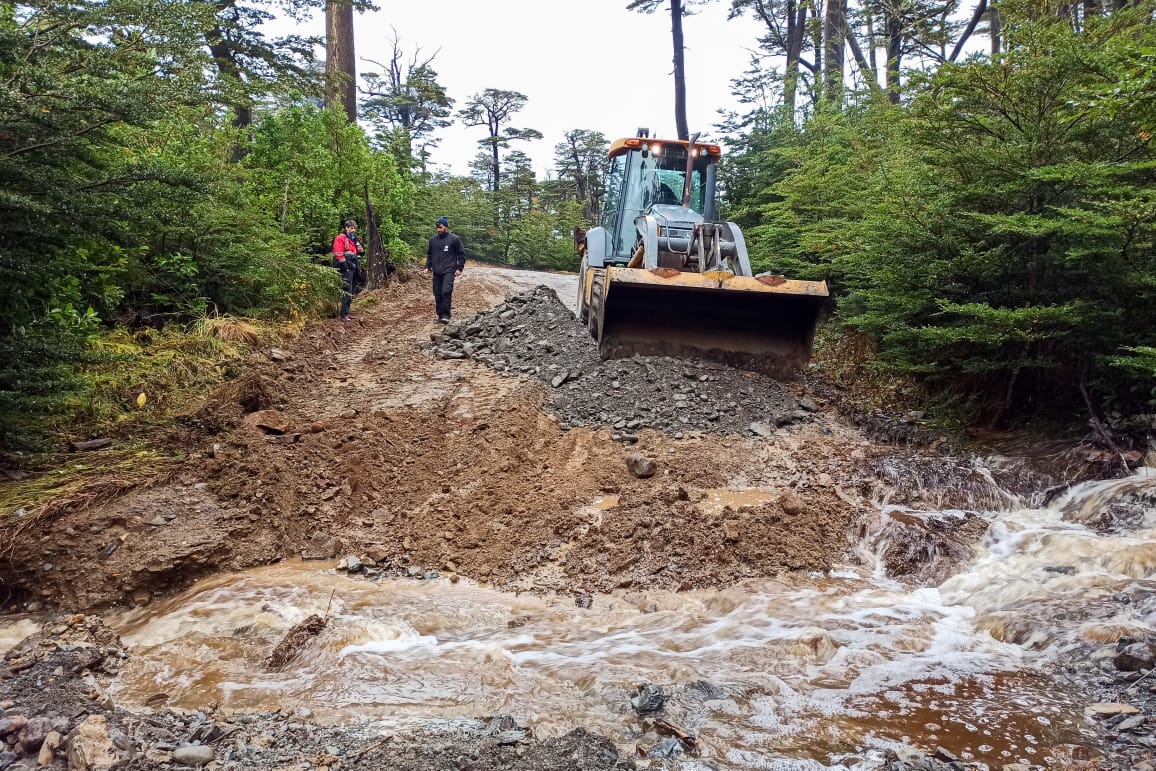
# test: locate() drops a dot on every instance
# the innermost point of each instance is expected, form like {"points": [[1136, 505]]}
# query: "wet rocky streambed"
{"points": [[1005, 665]]}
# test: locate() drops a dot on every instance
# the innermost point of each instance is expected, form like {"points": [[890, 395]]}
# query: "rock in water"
{"points": [[650, 698], [1134, 657]]}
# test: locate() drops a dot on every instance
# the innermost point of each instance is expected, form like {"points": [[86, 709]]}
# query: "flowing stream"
{"points": [[809, 672]]}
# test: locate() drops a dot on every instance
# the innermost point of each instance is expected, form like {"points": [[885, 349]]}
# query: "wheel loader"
{"points": [[663, 275]]}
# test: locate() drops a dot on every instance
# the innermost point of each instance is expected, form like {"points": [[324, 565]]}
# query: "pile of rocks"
{"points": [[1128, 710], [534, 334]]}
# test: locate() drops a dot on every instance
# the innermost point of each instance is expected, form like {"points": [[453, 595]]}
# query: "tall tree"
{"points": [[247, 64], [786, 35], [678, 9], [834, 45], [1009, 259], [340, 58], [407, 97], [491, 109], [79, 80], [578, 161], [921, 29]]}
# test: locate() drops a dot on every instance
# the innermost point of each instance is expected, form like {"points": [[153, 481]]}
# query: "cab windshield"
{"points": [[663, 176], [636, 181]]}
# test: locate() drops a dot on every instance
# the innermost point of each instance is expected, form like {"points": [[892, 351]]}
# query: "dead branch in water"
{"points": [[294, 640]]}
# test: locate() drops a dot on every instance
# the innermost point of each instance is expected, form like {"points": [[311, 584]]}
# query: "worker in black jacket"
{"points": [[446, 258]]}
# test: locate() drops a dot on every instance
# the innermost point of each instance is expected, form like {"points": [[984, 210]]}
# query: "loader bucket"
{"points": [[762, 324]]}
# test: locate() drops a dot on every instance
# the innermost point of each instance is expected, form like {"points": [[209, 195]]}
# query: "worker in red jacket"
{"points": [[347, 251]]}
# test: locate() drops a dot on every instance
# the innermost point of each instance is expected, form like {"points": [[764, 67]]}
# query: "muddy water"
{"points": [[13, 631], [829, 669]]}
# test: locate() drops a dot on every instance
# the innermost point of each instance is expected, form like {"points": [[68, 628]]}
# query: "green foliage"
{"points": [[542, 238], [995, 236], [470, 210], [314, 169], [121, 199], [407, 103], [580, 162]]}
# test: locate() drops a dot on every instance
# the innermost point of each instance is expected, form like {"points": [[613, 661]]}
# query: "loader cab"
{"points": [[648, 175]]}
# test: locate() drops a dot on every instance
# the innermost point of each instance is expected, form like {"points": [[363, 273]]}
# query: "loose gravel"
{"points": [[534, 334]]}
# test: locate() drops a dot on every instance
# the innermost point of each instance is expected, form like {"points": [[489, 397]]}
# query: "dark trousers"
{"points": [[348, 273], [443, 289]]}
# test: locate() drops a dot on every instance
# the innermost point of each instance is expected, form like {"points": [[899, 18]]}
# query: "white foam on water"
{"points": [[12, 632], [393, 641]]}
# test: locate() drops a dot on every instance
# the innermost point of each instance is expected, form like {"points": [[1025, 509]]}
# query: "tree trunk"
{"points": [[994, 26], [870, 75], [894, 27], [581, 188], [497, 168], [980, 10], [228, 69], [340, 60], [816, 33], [834, 45], [679, 70], [796, 28]]}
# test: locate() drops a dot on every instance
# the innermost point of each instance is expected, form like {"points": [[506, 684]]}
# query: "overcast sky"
{"points": [[584, 64]]}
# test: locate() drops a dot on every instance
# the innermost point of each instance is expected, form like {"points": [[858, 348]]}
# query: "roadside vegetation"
{"points": [[170, 183]]}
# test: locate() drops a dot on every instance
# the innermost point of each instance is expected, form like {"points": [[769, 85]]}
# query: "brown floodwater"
{"points": [[827, 670]]}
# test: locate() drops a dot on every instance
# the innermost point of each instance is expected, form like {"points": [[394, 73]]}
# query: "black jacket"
{"points": [[445, 254]]}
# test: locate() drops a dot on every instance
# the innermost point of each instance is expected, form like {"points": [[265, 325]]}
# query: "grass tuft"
{"points": [[77, 486], [231, 329]]}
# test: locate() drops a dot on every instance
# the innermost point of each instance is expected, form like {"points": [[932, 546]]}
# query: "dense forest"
{"points": [[975, 183]]}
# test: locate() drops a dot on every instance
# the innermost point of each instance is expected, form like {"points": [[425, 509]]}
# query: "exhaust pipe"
{"points": [[689, 169], [710, 210]]}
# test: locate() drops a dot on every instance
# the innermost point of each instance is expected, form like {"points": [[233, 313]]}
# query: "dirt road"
{"points": [[356, 439]]}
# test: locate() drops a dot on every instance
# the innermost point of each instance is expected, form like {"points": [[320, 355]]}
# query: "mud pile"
{"points": [[663, 538], [534, 334]]}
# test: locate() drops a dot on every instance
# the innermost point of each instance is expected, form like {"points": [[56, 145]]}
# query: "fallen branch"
{"points": [[1138, 680], [687, 740], [294, 640]]}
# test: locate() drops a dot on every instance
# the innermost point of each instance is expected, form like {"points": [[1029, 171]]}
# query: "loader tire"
{"points": [[595, 308]]}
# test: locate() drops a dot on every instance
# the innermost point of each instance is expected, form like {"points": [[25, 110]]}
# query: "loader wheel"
{"points": [[597, 299]]}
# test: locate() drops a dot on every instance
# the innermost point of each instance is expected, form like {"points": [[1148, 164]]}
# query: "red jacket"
{"points": [[343, 244]]}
